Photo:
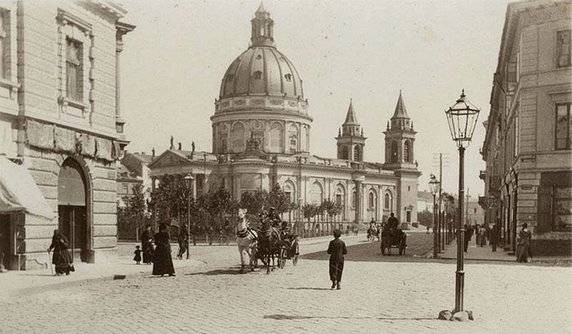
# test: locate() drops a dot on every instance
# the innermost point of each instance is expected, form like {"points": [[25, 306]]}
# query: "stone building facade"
{"points": [[60, 120], [261, 136], [527, 149]]}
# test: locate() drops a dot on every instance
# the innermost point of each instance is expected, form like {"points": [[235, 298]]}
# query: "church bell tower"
{"points": [[400, 139], [350, 139]]}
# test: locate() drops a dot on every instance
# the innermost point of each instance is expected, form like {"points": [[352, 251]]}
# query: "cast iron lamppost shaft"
{"points": [[462, 119], [434, 187]]}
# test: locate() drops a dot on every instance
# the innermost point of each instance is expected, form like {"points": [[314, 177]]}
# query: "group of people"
{"points": [[160, 254], [492, 235]]}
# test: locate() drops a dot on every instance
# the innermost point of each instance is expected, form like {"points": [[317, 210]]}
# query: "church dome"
{"points": [[261, 70]]}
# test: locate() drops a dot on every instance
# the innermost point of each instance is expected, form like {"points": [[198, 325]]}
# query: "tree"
{"points": [[254, 201], [309, 210], [134, 215], [278, 199], [425, 218], [221, 202], [328, 206]]}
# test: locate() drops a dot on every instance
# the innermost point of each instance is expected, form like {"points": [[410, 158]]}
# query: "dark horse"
{"points": [[393, 237], [269, 249]]}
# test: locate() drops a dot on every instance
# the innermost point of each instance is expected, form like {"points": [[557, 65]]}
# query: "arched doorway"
{"points": [[73, 208]]}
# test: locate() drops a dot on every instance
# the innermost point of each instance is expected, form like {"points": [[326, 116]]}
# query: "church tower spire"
{"points": [[399, 139], [262, 28], [351, 141]]}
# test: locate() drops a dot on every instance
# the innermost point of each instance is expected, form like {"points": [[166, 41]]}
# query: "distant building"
{"points": [[60, 122], [261, 136], [527, 148], [425, 201]]}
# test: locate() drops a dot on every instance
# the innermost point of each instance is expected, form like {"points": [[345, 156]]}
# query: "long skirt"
{"points": [[163, 263], [522, 253], [62, 260], [147, 252], [336, 269]]}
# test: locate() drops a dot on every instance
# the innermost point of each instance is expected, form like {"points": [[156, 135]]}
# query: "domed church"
{"points": [[261, 136]]}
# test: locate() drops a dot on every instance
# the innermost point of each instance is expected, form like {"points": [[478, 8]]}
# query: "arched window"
{"points": [[238, 136], [387, 201], [371, 200], [316, 193], [345, 152], [393, 152], [357, 153], [258, 75], [276, 138], [407, 151]]}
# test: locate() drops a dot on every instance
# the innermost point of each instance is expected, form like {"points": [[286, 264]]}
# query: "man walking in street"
{"points": [[337, 250], [494, 237]]}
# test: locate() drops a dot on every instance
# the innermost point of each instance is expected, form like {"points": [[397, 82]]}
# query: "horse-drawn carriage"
{"points": [[392, 237], [271, 243]]}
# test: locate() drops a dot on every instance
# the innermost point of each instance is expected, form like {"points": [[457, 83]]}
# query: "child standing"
{"points": [[137, 253]]}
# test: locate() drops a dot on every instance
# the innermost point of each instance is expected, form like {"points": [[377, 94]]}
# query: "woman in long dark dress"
{"points": [[163, 263], [61, 257], [523, 244], [147, 245]]}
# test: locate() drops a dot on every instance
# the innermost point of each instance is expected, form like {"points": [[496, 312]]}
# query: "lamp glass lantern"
{"points": [[434, 185], [462, 119]]}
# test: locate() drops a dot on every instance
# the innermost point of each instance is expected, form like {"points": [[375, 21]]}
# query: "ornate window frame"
{"points": [[75, 29]]}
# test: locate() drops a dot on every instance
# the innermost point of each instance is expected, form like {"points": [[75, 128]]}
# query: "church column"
{"points": [[358, 207]]}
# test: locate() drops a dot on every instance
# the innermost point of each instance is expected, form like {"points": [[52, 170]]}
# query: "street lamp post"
{"points": [[434, 187], [462, 119], [190, 183]]}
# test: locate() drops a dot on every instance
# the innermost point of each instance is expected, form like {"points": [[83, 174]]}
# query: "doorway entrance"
{"points": [[4, 241], [72, 208]]}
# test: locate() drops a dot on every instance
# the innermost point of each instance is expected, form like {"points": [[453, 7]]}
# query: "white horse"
{"points": [[246, 239]]}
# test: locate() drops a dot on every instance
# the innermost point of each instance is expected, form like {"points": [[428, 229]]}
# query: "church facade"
{"points": [[261, 131]]}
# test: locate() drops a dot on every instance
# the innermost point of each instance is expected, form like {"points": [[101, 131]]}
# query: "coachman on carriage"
{"points": [[392, 236]]}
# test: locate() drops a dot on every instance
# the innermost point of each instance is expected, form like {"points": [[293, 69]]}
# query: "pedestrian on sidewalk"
{"points": [[183, 240], [137, 253], [163, 263], [523, 244], [494, 237], [468, 234], [147, 245], [337, 250], [483, 236], [61, 258]]}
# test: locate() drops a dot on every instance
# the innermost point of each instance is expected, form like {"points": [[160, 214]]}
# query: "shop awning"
{"points": [[19, 192]]}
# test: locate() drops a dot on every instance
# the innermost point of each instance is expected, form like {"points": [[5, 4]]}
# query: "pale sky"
{"points": [[174, 61]]}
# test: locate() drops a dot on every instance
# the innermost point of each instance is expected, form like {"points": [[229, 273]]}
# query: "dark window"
{"points": [[74, 70], [563, 48], [408, 215], [288, 77], [371, 203], [562, 126], [257, 75], [4, 44], [393, 152]]}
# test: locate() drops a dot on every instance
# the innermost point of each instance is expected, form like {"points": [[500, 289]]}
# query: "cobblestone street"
{"points": [[385, 297]]}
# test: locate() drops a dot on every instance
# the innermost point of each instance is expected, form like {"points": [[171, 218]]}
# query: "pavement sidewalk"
{"points": [[476, 253], [14, 282]]}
